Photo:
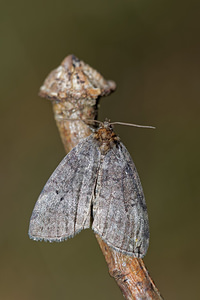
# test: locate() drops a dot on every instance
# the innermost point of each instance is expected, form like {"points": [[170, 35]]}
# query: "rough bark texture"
{"points": [[75, 98], [130, 274]]}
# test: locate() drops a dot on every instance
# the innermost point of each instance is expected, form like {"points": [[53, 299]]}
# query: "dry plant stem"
{"points": [[130, 274], [72, 132], [72, 102]]}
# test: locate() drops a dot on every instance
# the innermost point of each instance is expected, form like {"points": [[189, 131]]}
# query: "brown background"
{"points": [[151, 49]]}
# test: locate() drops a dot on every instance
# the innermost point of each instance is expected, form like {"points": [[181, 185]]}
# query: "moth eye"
{"points": [[57, 192]]}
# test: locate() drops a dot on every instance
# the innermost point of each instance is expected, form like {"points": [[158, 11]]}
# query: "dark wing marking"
{"points": [[120, 213], [64, 206]]}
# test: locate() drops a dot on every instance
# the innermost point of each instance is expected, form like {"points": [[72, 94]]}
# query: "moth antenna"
{"points": [[133, 125], [60, 118], [93, 121]]}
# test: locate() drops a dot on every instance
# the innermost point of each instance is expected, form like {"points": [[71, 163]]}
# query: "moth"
{"points": [[97, 185]]}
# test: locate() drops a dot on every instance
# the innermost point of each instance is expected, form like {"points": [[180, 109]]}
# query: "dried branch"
{"points": [[75, 89]]}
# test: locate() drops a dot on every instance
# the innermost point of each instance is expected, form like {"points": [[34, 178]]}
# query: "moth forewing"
{"points": [[64, 206]]}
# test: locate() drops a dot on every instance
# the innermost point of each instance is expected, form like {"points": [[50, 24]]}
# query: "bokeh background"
{"points": [[151, 49]]}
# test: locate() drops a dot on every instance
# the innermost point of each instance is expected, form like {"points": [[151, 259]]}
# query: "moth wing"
{"points": [[64, 205], [120, 217]]}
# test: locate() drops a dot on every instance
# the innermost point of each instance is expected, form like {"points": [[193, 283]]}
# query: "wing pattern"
{"points": [[109, 184], [119, 209], [64, 206]]}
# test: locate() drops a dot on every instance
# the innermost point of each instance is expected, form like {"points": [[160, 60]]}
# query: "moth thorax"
{"points": [[106, 139]]}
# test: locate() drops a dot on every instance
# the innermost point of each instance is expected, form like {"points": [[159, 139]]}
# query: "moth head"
{"points": [[107, 125]]}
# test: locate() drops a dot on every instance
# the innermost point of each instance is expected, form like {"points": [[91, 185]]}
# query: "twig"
{"points": [[130, 274], [75, 89]]}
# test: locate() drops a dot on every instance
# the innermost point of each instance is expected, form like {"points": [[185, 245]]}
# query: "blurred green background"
{"points": [[151, 49]]}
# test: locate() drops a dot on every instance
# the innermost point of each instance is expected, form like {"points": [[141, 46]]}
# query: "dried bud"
{"points": [[75, 88], [77, 80]]}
